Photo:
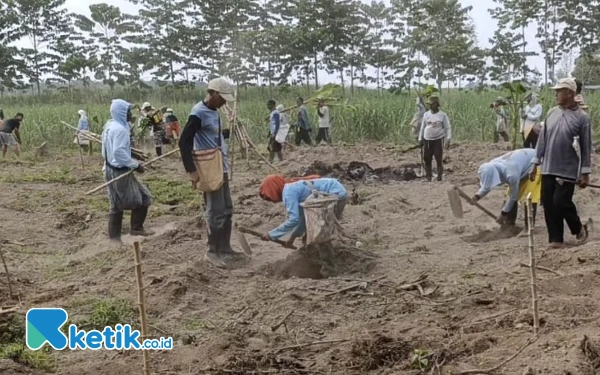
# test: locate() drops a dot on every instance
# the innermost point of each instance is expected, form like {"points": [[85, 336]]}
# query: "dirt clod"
{"points": [[377, 352]]}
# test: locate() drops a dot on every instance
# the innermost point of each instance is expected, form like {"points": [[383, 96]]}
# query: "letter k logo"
{"points": [[43, 326]]}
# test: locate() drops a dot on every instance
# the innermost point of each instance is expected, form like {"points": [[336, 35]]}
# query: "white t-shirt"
{"points": [[435, 126], [324, 121]]}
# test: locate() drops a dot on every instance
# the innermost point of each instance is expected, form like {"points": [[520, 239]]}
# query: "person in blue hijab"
{"points": [[510, 169]]}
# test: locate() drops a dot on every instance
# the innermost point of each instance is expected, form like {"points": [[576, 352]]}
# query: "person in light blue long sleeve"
{"points": [[127, 193], [274, 147], [513, 170], [292, 192], [83, 126]]}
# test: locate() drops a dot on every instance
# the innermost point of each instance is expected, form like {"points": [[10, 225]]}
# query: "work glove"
{"points": [[140, 168], [476, 198]]}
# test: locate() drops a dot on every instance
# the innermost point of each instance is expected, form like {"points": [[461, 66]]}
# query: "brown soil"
{"points": [[354, 309]]}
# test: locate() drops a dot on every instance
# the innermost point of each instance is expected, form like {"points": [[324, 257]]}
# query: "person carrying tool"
{"points": [[564, 152], [501, 120], [83, 126], [415, 123], [530, 121], [303, 128], [324, 122], [513, 170], [274, 147], [292, 192], [579, 97], [127, 193], [203, 134], [435, 127], [10, 134]]}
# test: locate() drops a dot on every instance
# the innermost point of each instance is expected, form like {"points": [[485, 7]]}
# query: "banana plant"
{"points": [[516, 91]]}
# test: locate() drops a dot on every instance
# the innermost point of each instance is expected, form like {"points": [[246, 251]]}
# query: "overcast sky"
{"points": [[484, 23]]}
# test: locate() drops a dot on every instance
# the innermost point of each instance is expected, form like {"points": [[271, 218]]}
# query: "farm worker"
{"points": [[1, 117], [303, 128], [284, 126], [82, 126], [10, 135], [292, 192], [274, 147], [418, 117], [513, 170], [127, 193], [172, 127], [530, 121], [579, 97], [435, 127], [501, 120], [324, 122], [203, 133], [564, 151]]}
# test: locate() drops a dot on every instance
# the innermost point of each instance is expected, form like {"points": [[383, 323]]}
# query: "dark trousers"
{"points": [[433, 149], [302, 135], [512, 215], [498, 134], [274, 148], [557, 201], [219, 207], [323, 135], [531, 140]]}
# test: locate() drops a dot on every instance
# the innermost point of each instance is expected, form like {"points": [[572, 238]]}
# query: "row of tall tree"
{"points": [[271, 42]]}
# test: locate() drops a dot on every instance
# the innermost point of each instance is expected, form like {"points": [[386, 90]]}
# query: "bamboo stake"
{"points": [[532, 266], [141, 303], [10, 290], [131, 171]]}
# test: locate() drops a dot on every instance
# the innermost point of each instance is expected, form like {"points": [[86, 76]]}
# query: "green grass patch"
{"points": [[107, 312], [12, 346], [55, 176], [171, 192]]}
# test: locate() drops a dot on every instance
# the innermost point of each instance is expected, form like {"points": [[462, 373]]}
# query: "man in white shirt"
{"points": [[434, 128], [323, 113]]}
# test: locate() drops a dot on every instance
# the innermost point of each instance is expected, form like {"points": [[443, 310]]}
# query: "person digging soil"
{"points": [[292, 192]]}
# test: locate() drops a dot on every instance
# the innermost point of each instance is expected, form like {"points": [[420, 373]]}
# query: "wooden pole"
{"points": [[10, 290], [131, 171], [532, 267], [232, 126], [141, 303]]}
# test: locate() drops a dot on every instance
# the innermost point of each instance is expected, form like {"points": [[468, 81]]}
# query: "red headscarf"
{"points": [[271, 188]]}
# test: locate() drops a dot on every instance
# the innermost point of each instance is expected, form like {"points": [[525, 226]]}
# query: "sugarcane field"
{"points": [[306, 187]]}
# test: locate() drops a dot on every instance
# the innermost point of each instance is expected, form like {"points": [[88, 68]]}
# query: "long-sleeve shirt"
{"points": [[501, 119], [83, 124], [116, 143], [511, 169], [274, 122], [435, 126], [303, 121], [296, 193], [532, 114], [555, 151], [202, 133]]}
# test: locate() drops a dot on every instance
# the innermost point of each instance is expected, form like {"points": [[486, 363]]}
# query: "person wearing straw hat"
{"points": [[530, 121], [292, 192], [501, 120], [203, 132], [435, 128], [579, 97], [564, 153], [511, 169], [127, 193]]}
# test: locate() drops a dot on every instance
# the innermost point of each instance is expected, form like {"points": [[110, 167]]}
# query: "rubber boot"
{"points": [[428, 172], [138, 217], [115, 225], [225, 241], [440, 172], [158, 151], [213, 254]]}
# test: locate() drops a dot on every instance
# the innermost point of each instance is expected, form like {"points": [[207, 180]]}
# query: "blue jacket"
{"points": [[304, 122], [208, 136], [116, 142], [296, 193], [511, 169], [83, 124]]}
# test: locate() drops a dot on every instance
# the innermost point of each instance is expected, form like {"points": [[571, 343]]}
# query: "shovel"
{"points": [[561, 182], [454, 195], [242, 239], [241, 230]]}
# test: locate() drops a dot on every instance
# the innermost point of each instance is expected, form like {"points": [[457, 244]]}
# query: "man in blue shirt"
{"points": [[203, 132], [127, 193], [274, 147], [303, 128]]}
